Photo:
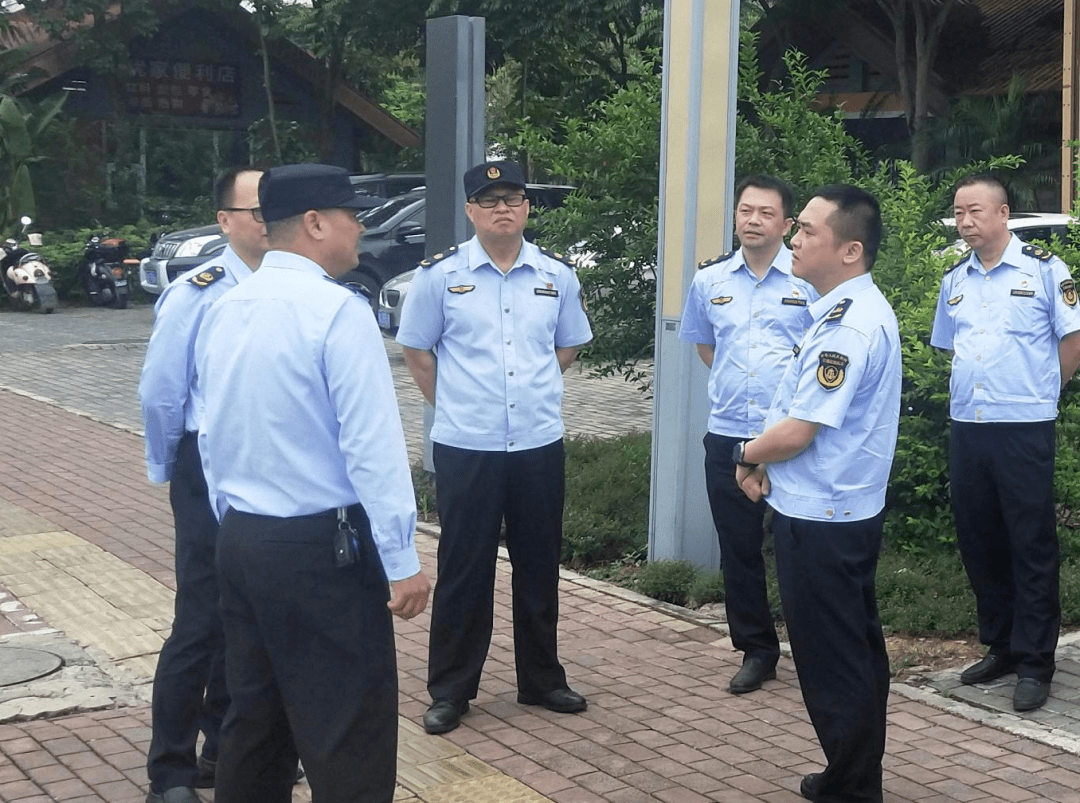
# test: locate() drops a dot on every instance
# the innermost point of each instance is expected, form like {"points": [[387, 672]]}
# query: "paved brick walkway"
{"points": [[86, 548]]}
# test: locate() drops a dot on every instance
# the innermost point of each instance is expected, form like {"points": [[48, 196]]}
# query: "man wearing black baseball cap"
{"points": [[307, 470], [507, 319]]}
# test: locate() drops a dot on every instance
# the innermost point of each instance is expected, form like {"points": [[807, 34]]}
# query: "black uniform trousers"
{"points": [[476, 491], [1006, 528], [190, 693], [311, 663], [827, 572], [739, 526]]}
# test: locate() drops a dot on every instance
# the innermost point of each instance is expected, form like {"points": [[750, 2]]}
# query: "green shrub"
{"points": [[707, 588], [607, 498], [666, 580], [925, 594]]}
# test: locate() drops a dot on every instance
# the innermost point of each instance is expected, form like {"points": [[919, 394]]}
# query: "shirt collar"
{"points": [[290, 261], [238, 266], [843, 290], [781, 262], [478, 257], [1011, 256]]}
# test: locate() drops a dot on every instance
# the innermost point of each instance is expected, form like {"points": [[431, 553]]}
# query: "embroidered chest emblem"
{"points": [[832, 369], [462, 288], [721, 300], [954, 301]]}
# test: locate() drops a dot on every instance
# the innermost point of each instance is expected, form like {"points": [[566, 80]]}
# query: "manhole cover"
{"points": [[19, 665]]}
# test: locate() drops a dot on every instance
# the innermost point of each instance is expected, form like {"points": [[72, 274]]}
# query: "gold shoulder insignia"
{"points": [[427, 263], [1038, 252], [958, 262], [838, 312], [557, 256], [715, 260], [207, 277]]}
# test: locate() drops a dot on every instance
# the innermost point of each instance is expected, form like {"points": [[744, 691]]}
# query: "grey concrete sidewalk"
{"points": [[86, 567]]}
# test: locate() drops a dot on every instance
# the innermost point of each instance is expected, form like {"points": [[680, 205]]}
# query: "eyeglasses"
{"points": [[256, 211], [491, 201]]}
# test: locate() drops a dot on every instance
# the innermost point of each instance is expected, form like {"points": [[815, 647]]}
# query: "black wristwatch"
{"points": [[737, 456]]}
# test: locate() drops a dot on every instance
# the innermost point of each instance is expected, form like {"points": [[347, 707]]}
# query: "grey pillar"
{"points": [[453, 137], [697, 163]]}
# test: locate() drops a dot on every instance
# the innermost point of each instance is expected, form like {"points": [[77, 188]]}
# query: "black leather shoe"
{"points": [[178, 794], [562, 701], [444, 715], [991, 667], [1030, 694], [810, 787], [754, 672]]}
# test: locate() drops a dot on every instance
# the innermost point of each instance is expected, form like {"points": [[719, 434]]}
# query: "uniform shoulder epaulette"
{"points": [[838, 312], [427, 263], [1038, 252], [355, 287], [958, 262], [722, 258], [205, 278], [556, 255]]}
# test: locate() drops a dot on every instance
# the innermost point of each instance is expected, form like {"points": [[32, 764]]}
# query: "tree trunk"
{"points": [[271, 116]]}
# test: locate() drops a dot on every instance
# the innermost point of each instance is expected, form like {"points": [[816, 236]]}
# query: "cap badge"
{"points": [[493, 173]]}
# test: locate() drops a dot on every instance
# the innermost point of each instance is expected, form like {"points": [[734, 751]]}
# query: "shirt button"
{"points": [[753, 345], [987, 278], [511, 443], [752, 402], [512, 406], [508, 342], [982, 331], [757, 314], [829, 512], [511, 373], [978, 385], [978, 358], [984, 305], [753, 373], [507, 309]]}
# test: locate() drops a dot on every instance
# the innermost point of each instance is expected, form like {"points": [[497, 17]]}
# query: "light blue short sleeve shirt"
{"points": [[1003, 327], [753, 325], [499, 386], [846, 377]]}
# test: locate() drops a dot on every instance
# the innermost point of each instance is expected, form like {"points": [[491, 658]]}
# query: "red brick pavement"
{"points": [[660, 726]]}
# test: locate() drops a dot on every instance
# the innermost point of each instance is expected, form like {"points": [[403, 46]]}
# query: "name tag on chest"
{"points": [[550, 292], [1023, 293]]}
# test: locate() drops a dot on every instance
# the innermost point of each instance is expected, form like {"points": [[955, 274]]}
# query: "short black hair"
{"points": [[762, 181], [226, 184], [984, 178], [857, 217]]}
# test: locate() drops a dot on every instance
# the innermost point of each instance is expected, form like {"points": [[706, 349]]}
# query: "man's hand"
{"points": [[409, 597], [754, 482]]}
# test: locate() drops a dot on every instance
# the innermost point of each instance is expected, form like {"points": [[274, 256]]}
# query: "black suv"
{"points": [[395, 237]]}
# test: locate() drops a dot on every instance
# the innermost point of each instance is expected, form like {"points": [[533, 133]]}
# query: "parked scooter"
{"points": [[104, 272], [27, 278]]}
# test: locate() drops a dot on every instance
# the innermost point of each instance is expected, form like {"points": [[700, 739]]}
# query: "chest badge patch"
{"points": [[548, 291], [1068, 292], [462, 288], [793, 302], [721, 300], [954, 301], [1022, 293], [832, 369]]}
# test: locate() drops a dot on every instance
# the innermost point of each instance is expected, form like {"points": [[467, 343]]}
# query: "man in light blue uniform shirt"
{"points": [[746, 313], [1008, 314], [306, 464], [189, 684], [505, 319], [823, 465]]}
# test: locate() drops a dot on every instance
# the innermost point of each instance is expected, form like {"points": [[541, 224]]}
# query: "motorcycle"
{"points": [[26, 275], [104, 272]]}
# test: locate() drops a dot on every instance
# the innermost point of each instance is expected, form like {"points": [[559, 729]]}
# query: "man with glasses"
{"points": [[506, 319], [307, 469], [189, 684]]}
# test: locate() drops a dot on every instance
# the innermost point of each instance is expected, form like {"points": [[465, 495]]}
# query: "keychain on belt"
{"points": [[346, 541]]}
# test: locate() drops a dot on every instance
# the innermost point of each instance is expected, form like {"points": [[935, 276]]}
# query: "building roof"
{"points": [[1023, 36], [46, 58]]}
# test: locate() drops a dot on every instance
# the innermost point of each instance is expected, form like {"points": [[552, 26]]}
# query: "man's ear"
{"points": [[852, 253], [314, 225]]}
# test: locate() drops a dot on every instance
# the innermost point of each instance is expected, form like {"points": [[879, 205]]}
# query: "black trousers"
{"points": [[1003, 497], [476, 492], [189, 685], [311, 663], [826, 572], [739, 526]]}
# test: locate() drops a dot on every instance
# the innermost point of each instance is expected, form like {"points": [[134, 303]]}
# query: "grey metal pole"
{"points": [[697, 165], [454, 138]]}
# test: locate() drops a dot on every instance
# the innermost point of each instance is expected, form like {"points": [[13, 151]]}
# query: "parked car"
{"points": [[178, 252], [1028, 226], [395, 239]]}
